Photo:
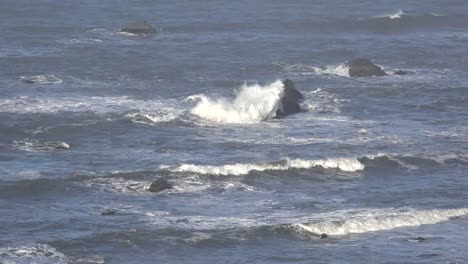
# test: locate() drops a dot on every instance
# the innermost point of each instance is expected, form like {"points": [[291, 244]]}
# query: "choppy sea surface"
{"points": [[89, 117]]}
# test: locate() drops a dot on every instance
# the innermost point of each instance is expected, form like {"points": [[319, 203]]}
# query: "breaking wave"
{"points": [[379, 222], [251, 104], [35, 145], [344, 164], [380, 161]]}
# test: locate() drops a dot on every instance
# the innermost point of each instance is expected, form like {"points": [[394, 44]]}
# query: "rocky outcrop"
{"points": [[290, 100], [139, 27], [363, 68], [159, 185]]}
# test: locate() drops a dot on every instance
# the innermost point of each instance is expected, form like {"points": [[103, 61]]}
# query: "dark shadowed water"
{"points": [[89, 117]]}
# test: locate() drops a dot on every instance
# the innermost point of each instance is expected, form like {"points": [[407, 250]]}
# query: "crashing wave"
{"points": [[252, 104], [386, 221], [344, 164], [40, 79]]}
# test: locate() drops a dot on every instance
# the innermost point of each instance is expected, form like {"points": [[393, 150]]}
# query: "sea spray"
{"points": [[252, 104]]}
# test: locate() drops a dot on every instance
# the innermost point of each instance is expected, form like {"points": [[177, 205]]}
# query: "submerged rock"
{"points": [[363, 68], [109, 212], [417, 239], [139, 27], [159, 185], [290, 100]]}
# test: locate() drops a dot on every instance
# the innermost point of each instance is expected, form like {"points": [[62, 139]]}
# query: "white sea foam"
{"points": [[397, 14], [371, 222], [41, 79], [80, 41], [39, 253], [100, 105], [251, 104], [152, 117], [393, 15], [35, 145], [340, 70], [344, 164]]}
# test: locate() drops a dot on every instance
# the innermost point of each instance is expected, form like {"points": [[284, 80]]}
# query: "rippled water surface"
{"points": [[373, 171]]}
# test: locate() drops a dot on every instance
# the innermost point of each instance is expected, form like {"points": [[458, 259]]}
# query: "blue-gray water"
{"points": [[374, 163]]}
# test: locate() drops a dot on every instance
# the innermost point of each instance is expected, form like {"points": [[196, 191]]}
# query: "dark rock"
{"points": [[363, 68], [108, 212], [290, 100], [323, 235], [418, 239], [139, 27], [159, 185]]}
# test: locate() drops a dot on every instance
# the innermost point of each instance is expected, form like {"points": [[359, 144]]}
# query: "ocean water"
{"points": [[89, 117]]}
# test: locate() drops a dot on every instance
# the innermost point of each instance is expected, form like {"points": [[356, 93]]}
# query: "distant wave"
{"points": [[344, 164], [397, 21], [386, 221], [41, 79], [251, 104]]}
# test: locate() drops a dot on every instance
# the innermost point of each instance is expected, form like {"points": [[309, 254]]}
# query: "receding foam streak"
{"points": [[392, 220], [41, 79], [39, 253], [251, 104], [344, 164]]}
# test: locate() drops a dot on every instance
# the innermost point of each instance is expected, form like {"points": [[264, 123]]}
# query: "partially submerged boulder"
{"points": [[363, 68], [139, 27], [108, 212], [290, 101], [159, 185]]}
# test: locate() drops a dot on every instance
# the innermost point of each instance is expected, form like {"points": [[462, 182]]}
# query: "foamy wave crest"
{"points": [[40, 79], [145, 117], [372, 223], [251, 104], [39, 253], [395, 15], [344, 164]]}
